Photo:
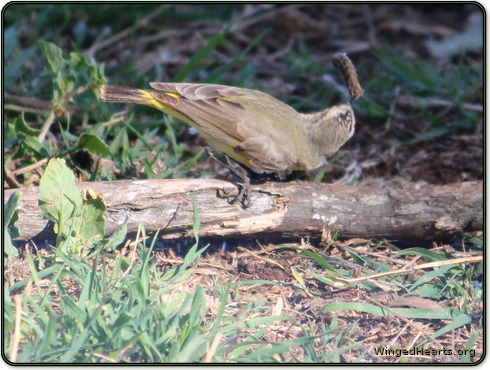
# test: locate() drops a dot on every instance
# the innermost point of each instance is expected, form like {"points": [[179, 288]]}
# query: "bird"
{"points": [[254, 129]]}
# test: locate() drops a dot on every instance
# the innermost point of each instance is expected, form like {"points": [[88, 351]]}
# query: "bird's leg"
{"points": [[244, 192]]}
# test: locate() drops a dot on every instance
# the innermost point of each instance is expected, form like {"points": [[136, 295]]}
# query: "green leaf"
{"points": [[10, 208], [52, 54], [79, 60], [66, 83], [49, 334], [42, 274], [117, 237], [428, 276], [431, 291], [59, 199], [10, 217], [459, 320], [21, 126], [468, 347], [416, 313], [35, 146], [431, 256], [124, 319], [10, 250], [92, 222], [81, 338], [318, 259], [298, 277], [93, 144], [193, 349]]}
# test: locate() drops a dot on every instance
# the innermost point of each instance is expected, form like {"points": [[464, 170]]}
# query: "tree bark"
{"points": [[279, 210]]}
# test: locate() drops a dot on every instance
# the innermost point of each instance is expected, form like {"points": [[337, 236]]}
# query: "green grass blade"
{"points": [[416, 313], [200, 55]]}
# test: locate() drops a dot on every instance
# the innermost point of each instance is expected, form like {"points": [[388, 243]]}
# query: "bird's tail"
{"points": [[121, 94]]}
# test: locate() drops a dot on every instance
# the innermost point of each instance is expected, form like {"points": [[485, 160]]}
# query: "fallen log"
{"points": [[279, 210]]}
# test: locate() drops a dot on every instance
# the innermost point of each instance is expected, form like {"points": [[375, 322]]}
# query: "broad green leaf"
{"points": [[93, 144], [59, 198], [53, 55], [21, 126], [33, 144], [92, 222], [79, 60]]}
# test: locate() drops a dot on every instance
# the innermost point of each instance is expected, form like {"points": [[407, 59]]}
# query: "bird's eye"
{"points": [[345, 118]]}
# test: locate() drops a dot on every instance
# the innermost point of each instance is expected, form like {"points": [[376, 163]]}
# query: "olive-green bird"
{"points": [[253, 128]]}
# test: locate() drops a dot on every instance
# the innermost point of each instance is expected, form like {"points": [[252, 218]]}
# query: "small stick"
{"points": [[343, 63], [17, 328]]}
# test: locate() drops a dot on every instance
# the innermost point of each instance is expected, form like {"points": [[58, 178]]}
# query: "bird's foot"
{"points": [[244, 196]]}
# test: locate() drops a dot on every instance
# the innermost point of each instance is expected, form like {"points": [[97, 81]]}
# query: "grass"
{"points": [[134, 307], [130, 312], [95, 298]]}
